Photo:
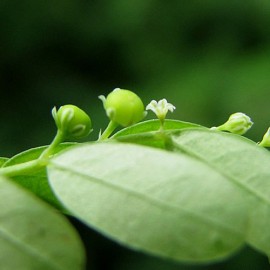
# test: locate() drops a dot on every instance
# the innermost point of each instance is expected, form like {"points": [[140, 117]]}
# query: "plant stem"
{"points": [[108, 131], [161, 129], [24, 168], [34, 165], [59, 137]]}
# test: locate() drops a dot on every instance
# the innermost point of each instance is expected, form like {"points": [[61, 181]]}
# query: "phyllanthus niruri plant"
{"points": [[188, 193]]}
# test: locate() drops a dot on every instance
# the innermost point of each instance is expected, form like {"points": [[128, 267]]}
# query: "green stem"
{"points": [[59, 137], [161, 129], [24, 168], [222, 127], [108, 131], [34, 165]]}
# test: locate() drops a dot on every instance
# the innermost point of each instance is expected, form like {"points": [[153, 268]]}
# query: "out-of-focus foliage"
{"points": [[209, 58]]}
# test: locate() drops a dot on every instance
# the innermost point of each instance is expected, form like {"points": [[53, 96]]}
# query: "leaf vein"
{"points": [[27, 249], [149, 199]]}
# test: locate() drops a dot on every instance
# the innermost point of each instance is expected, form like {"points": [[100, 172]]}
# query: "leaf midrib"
{"points": [[28, 250], [149, 199], [233, 180]]}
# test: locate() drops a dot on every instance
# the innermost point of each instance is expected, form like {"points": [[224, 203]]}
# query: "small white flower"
{"points": [[160, 108], [238, 123]]}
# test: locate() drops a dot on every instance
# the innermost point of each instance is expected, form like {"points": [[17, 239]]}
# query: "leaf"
{"points": [[245, 165], [34, 236], [37, 182], [154, 125], [3, 160], [168, 204], [148, 132]]}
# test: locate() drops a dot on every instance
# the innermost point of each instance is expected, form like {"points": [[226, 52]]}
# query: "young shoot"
{"points": [[210, 187]]}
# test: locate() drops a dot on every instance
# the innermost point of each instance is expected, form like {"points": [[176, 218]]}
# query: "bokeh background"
{"points": [[209, 58]]}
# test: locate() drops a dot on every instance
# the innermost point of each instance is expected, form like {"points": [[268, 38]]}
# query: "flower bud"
{"points": [[123, 107], [72, 121], [238, 123], [266, 139]]}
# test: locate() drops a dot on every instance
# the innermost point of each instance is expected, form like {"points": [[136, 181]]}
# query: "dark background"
{"points": [[209, 58]]}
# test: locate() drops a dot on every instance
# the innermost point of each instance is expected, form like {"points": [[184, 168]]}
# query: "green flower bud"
{"points": [[123, 107], [266, 139], [238, 123], [72, 121]]}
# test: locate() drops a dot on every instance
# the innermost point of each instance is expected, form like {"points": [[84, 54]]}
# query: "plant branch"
{"points": [[24, 168]]}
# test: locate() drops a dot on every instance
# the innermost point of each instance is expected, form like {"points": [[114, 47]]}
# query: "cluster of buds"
{"points": [[125, 108]]}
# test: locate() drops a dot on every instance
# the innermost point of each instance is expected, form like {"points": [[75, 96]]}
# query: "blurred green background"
{"points": [[209, 58]]}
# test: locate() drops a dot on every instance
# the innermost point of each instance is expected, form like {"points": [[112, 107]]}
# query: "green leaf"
{"points": [[3, 160], [34, 236], [169, 204], [154, 125], [245, 165], [148, 132], [37, 182]]}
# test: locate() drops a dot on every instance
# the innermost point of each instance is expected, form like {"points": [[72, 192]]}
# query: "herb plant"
{"points": [[166, 187]]}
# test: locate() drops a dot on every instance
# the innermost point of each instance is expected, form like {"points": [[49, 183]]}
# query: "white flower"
{"points": [[160, 108], [238, 123]]}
